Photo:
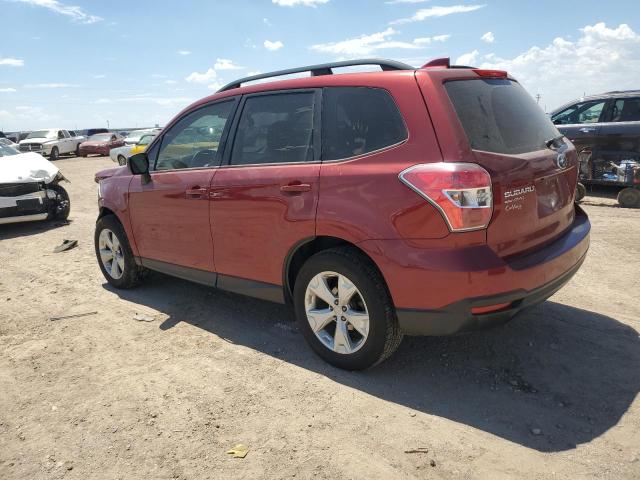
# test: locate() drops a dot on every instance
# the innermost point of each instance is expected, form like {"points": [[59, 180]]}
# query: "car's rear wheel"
{"points": [[344, 309], [629, 198], [55, 154], [114, 254]]}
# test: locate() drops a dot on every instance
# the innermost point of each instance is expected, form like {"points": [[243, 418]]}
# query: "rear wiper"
{"points": [[551, 143]]}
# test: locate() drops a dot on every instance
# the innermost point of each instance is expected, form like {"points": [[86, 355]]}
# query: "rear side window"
{"points": [[359, 120], [275, 129], [626, 110], [499, 116]]}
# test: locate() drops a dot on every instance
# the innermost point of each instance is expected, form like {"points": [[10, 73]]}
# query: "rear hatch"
{"points": [[533, 184]]}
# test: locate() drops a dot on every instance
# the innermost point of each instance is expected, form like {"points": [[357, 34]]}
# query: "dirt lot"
{"points": [[553, 394]]}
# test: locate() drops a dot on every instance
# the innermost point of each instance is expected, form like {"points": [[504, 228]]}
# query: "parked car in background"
{"points": [[605, 130], [30, 188], [92, 131], [16, 137], [100, 144], [120, 155], [51, 142], [343, 196], [135, 135]]}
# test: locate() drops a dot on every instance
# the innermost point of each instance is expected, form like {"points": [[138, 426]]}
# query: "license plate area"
{"points": [[29, 204]]}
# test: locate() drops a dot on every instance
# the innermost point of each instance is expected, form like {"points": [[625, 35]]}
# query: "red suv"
{"points": [[424, 201]]}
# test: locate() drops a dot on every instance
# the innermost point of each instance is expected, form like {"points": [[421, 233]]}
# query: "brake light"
{"points": [[490, 73], [460, 191]]}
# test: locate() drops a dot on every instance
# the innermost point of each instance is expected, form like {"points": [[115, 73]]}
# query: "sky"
{"points": [[123, 63]]}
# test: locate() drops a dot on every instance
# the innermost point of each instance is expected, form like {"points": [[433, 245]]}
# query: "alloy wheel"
{"points": [[336, 312], [111, 254]]}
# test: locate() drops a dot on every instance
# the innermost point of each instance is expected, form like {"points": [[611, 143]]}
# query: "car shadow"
{"points": [[551, 379], [14, 230]]}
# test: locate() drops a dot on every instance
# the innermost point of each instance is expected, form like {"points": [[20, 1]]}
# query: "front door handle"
{"points": [[295, 188], [196, 192], [587, 130]]}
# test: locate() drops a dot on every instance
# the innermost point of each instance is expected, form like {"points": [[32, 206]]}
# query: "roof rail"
{"points": [[622, 91], [321, 69]]}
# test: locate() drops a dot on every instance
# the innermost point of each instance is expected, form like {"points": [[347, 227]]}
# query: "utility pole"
{"points": [[108, 127], [538, 96]]}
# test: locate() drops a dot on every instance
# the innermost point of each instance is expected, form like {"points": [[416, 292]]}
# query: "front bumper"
{"points": [[94, 151], [25, 208], [446, 290]]}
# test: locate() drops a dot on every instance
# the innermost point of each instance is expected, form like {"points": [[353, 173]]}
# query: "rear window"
{"points": [[499, 116], [359, 120]]}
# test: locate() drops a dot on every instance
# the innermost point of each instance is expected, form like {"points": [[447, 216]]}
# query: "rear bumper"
{"points": [[458, 318], [435, 289]]}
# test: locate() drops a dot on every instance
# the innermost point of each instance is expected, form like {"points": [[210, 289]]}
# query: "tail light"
{"points": [[460, 191]]}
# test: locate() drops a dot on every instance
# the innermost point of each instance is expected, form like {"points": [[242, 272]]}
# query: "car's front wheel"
{"points": [[55, 154], [344, 309], [629, 197], [114, 254]]}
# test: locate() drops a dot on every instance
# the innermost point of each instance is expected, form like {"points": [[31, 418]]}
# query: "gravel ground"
{"points": [[553, 394]]}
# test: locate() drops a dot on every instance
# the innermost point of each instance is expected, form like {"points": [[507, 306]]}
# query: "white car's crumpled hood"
{"points": [[26, 167]]}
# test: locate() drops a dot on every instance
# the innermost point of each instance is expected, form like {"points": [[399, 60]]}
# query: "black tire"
{"points": [[122, 160], [629, 197], [55, 154], [132, 274], [581, 192], [384, 334], [61, 204], [77, 150]]}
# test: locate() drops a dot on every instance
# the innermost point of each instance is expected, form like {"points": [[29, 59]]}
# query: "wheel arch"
{"points": [[305, 249]]}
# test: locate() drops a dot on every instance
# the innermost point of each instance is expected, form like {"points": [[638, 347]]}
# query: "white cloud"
{"points": [[266, 21], [488, 37], [75, 13], [28, 112], [184, 52], [5, 114], [367, 44], [225, 64], [51, 85], [305, 3], [430, 12], [273, 46], [11, 62], [7, 90], [601, 59], [102, 101], [216, 85], [99, 76], [170, 82], [469, 59], [202, 78]]}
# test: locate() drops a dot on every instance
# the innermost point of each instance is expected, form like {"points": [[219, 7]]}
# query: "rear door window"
{"points": [[359, 120], [626, 110], [275, 128], [499, 116]]}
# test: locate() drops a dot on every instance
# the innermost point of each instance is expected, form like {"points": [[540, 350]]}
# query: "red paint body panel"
{"points": [[169, 224], [255, 224]]}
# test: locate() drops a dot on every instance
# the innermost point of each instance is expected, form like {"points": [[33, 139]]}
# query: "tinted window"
{"points": [[500, 116], [585, 112], [275, 129], [193, 141], [356, 121], [626, 110]]}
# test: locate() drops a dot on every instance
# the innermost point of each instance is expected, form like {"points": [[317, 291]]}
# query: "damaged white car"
{"points": [[30, 188]]}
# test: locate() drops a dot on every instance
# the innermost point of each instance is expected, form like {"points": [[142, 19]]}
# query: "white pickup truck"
{"points": [[52, 143]]}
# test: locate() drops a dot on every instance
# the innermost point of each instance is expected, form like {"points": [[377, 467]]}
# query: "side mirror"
{"points": [[139, 165]]}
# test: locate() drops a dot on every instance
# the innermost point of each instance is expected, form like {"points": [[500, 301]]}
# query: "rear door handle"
{"points": [[196, 192], [295, 188], [587, 130]]}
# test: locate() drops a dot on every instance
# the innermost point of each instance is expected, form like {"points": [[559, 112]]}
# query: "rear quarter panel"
{"points": [[362, 198]]}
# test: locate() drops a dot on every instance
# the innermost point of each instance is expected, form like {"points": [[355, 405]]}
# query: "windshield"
{"points": [[101, 137], [42, 134], [6, 150], [499, 116]]}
